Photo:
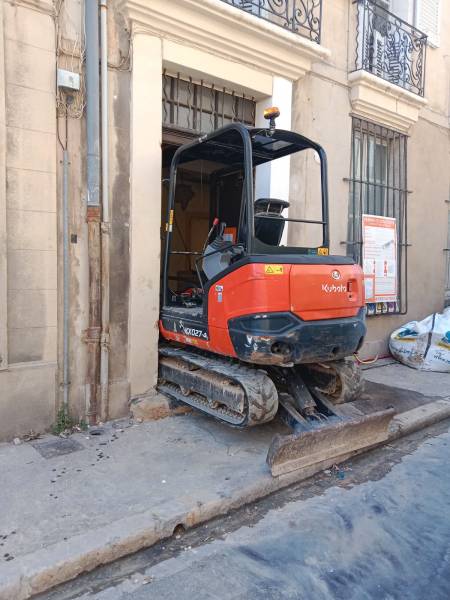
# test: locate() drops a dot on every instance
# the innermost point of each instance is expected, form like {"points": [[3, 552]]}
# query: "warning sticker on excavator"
{"points": [[170, 221], [273, 269], [323, 251]]}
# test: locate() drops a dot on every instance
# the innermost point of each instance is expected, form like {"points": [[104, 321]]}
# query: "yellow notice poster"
{"points": [[380, 258]]}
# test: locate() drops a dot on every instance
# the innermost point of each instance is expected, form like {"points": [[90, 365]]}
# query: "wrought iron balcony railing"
{"points": [[389, 47], [300, 16]]}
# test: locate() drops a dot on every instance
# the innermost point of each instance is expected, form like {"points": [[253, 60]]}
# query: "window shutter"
{"points": [[428, 19]]}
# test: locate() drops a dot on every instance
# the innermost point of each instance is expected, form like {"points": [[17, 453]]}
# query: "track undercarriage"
{"points": [[227, 389], [318, 402]]}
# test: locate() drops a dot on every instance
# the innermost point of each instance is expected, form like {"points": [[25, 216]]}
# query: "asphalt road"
{"points": [[377, 529]]}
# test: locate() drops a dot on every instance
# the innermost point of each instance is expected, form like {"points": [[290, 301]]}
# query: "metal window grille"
{"points": [[378, 186], [303, 17], [200, 107], [389, 47]]}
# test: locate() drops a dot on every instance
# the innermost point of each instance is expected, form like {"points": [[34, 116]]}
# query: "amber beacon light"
{"points": [[271, 114]]}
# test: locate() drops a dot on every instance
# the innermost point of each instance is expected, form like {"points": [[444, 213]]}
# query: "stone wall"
{"points": [[27, 383]]}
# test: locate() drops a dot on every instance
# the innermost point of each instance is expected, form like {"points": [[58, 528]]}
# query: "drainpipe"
{"points": [[106, 227], [65, 191], [93, 333]]}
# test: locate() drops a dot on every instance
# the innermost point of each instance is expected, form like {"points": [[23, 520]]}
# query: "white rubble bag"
{"points": [[424, 345]]}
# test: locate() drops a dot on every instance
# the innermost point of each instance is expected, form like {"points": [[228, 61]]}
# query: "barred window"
{"points": [[201, 107], [378, 186]]}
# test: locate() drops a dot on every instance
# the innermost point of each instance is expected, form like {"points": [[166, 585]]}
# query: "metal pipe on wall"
{"points": [[92, 102], [106, 227], [66, 279], [93, 333]]}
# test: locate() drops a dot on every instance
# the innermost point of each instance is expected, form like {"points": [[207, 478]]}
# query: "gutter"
{"points": [[105, 226], [93, 333]]}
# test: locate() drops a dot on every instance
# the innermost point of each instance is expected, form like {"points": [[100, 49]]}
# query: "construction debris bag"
{"points": [[424, 345]]}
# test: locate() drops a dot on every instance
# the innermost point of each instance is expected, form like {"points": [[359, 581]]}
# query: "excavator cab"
{"points": [[257, 317]]}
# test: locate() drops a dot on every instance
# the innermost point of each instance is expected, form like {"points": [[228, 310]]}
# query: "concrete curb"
{"points": [[37, 572], [420, 417]]}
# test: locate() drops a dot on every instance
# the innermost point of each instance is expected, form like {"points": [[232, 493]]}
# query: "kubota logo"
{"points": [[335, 274], [333, 289]]}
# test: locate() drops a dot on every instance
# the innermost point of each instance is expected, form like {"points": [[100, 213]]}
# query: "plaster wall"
{"points": [[119, 195], [27, 381]]}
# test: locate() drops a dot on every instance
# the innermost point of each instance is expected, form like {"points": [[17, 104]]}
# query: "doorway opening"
{"points": [[208, 197], [192, 108]]}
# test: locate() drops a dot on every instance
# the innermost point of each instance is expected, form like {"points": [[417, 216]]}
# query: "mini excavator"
{"points": [[257, 325]]}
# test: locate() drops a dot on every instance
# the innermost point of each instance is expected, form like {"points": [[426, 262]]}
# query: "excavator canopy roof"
{"points": [[227, 145]]}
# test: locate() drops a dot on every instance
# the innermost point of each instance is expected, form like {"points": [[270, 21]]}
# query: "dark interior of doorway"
{"points": [[191, 224], [205, 190]]}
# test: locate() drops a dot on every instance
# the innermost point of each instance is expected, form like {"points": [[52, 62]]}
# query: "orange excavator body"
{"points": [[279, 313]]}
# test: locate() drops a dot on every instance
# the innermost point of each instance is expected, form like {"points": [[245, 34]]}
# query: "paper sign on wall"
{"points": [[380, 258]]}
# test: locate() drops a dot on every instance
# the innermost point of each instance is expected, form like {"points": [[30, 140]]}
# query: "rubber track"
{"points": [[261, 403], [349, 375], [231, 417]]}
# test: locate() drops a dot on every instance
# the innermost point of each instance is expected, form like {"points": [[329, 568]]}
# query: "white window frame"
{"points": [[413, 16], [433, 42]]}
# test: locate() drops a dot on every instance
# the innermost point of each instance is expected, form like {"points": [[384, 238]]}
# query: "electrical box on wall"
{"points": [[68, 80]]}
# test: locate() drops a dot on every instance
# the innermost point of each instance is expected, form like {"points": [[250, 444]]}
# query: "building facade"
{"points": [[368, 81]]}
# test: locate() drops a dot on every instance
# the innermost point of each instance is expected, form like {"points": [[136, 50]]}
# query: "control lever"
{"points": [[213, 226]]}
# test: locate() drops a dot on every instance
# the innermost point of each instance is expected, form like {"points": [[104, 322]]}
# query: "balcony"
{"points": [[390, 48], [302, 17]]}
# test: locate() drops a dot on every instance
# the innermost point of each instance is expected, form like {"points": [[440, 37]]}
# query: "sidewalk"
{"points": [[68, 505]]}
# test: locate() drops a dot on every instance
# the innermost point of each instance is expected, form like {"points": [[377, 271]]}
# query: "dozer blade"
{"points": [[328, 444]]}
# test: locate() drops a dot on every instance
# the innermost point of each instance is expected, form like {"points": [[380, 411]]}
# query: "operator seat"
{"points": [[269, 222]]}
